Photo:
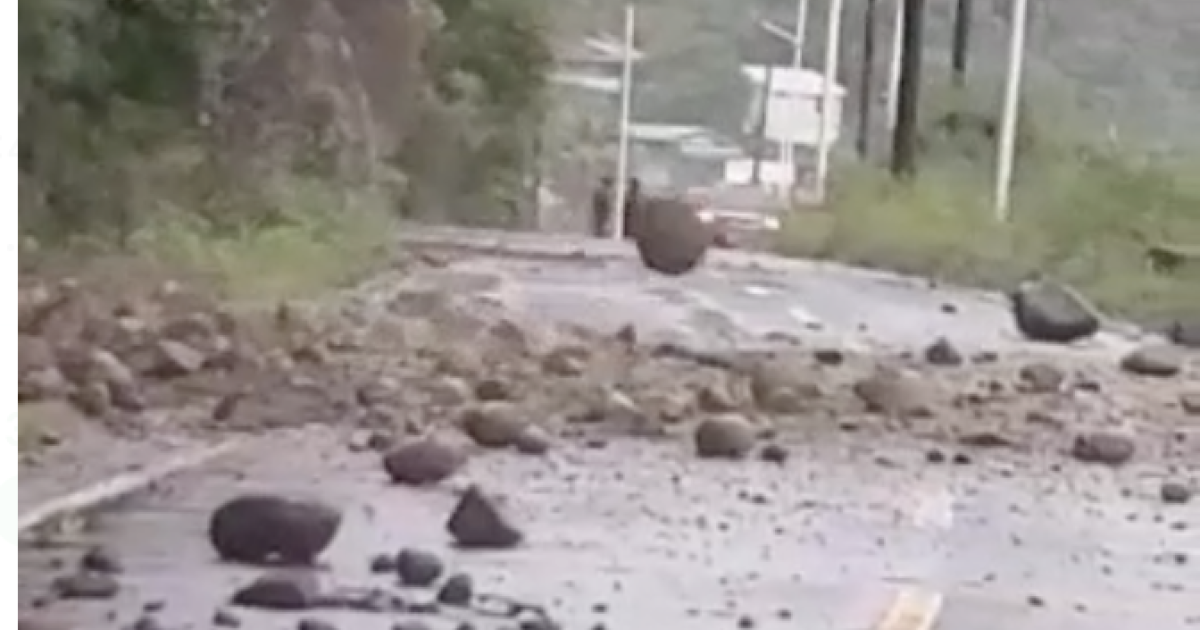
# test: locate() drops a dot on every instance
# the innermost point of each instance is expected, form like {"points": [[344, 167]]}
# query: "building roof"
{"points": [[599, 49], [801, 81]]}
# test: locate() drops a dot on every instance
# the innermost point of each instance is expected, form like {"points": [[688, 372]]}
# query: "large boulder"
{"points": [[263, 528], [670, 238], [1052, 312]]}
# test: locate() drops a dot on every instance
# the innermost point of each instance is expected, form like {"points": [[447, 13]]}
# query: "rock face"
{"points": [[478, 522], [1052, 312], [425, 461], [258, 529], [670, 238]]}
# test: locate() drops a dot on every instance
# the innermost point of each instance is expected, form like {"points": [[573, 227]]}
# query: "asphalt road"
{"points": [[851, 534]]}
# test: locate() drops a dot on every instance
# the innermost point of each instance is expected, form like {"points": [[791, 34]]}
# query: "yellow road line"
{"points": [[912, 609]]}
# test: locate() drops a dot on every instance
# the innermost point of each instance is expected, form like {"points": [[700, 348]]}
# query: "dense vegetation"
{"points": [[241, 133]]}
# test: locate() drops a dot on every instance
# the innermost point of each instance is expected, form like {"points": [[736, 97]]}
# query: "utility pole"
{"points": [[622, 183], [1012, 99], [893, 87], [799, 31], [760, 133], [866, 80], [904, 136], [961, 47], [833, 37]]}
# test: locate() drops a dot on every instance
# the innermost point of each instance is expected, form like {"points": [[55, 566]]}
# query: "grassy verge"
{"points": [[1084, 217], [322, 238]]}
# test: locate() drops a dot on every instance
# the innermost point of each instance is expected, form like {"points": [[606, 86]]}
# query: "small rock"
{"points": [[627, 334], [227, 406], [42, 384], [458, 590], [177, 359], [93, 399], [450, 391], [492, 424], [730, 436], [383, 563], [1176, 492], [1185, 333], [1041, 378], [411, 624], [715, 399], [226, 619], [281, 590], [377, 440], [478, 522], [566, 361], [985, 439], [1104, 447], [490, 389], [375, 393], [147, 622], [774, 453], [895, 394], [87, 585], [533, 440], [829, 356], [100, 560], [1052, 312], [425, 461], [262, 528], [1159, 361], [310, 623], [417, 567], [1190, 403], [943, 353]]}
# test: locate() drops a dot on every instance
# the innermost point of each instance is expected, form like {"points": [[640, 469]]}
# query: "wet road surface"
{"points": [[851, 534]]}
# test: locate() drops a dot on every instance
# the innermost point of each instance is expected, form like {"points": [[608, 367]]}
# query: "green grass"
{"points": [[322, 238], [1083, 217]]}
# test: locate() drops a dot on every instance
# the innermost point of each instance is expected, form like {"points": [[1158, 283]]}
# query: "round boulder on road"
{"points": [[263, 528]]}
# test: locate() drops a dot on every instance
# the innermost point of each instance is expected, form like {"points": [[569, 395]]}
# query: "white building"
{"points": [[793, 122]]}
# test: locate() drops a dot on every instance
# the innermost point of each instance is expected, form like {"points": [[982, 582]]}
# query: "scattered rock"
{"points": [[715, 399], [728, 436], [492, 424], [894, 393], [774, 453], [1176, 492], [177, 359], [1159, 361], [943, 353], [986, 439], [450, 391], [100, 560], [782, 386], [490, 389], [458, 590], [670, 238], [43, 383], [226, 619], [479, 522], [566, 361], [1104, 447], [427, 460], [1041, 378], [281, 590], [1190, 403], [87, 585], [311, 623], [533, 440], [147, 622], [93, 399], [1052, 312], [829, 356], [262, 528], [383, 563], [417, 567]]}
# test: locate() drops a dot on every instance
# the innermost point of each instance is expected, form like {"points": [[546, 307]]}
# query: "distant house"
{"points": [[666, 155], [794, 106]]}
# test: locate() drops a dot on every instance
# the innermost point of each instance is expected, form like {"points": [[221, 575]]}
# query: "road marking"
{"points": [[912, 609], [757, 290], [122, 485]]}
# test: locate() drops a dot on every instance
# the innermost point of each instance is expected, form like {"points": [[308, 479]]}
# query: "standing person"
{"points": [[633, 199], [602, 207]]}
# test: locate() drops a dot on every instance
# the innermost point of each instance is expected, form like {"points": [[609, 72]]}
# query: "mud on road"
{"points": [[869, 478]]}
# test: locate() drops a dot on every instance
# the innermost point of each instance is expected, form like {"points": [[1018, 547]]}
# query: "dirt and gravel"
{"points": [[594, 467]]}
